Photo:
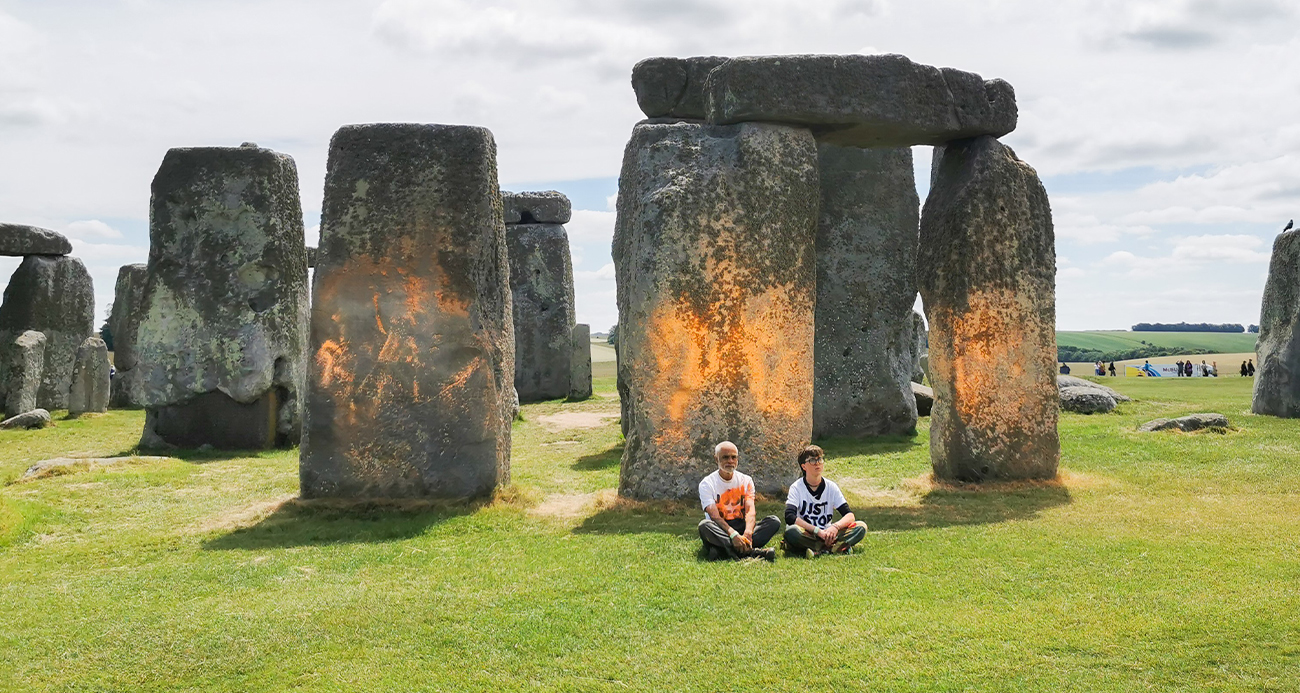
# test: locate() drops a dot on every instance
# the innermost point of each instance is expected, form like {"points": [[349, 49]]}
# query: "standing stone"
{"points": [[24, 361], [989, 290], [220, 346], [90, 380], [541, 286], [21, 241], [54, 296], [1277, 382], [580, 363], [410, 386], [920, 347], [716, 267], [861, 100], [128, 300], [866, 259]]}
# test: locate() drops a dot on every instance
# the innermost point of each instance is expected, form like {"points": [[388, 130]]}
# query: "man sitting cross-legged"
{"points": [[812, 501], [729, 529]]}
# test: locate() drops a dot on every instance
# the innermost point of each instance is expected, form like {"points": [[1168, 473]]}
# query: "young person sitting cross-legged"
{"points": [[813, 500]]}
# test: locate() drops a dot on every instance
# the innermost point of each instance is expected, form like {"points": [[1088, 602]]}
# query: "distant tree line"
{"points": [[1187, 327], [1078, 355], [1253, 329]]}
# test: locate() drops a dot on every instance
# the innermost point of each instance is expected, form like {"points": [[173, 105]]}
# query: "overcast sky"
{"points": [[1167, 132]]}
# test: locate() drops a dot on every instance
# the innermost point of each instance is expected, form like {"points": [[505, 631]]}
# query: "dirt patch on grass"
{"points": [[569, 420], [244, 516], [572, 506]]}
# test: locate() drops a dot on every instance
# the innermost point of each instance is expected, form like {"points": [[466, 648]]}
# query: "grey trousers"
{"points": [[713, 533]]}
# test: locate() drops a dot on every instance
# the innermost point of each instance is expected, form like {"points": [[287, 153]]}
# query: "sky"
{"points": [[1165, 131]]}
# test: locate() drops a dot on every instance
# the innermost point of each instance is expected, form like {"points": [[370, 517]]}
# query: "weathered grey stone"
{"points": [[1191, 422], [714, 249], [1086, 400], [224, 306], [866, 260], [90, 379], [311, 257], [989, 291], [536, 207], [410, 391], [580, 362], [19, 240], [861, 100], [1063, 381], [920, 346], [214, 416], [63, 465], [36, 418], [128, 304], [672, 87], [924, 398], [1277, 382], [55, 296], [541, 287], [24, 360]]}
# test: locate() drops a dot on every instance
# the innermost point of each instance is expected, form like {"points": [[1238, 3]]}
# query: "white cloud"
{"points": [[90, 230], [605, 273], [1232, 248], [590, 226]]}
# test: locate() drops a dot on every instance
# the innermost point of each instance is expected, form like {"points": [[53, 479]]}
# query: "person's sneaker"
{"points": [[713, 553], [809, 553], [768, 555]]}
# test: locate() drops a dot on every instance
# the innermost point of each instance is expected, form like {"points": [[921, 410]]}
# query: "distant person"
{"points": [[729, 529], [1250, 367], [812, 502], [1188, 368], [1112, 369], [1205, 369], [1180, 368], [1065, 370], [1244, 372], [1098, 368], [1214, 368]]}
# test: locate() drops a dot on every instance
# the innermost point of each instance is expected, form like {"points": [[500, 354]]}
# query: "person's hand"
{"points": [[828, 535], [738, 543]]}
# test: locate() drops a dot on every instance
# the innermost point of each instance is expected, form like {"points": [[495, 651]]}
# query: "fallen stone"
{"points": [[36, 418], [1074, 381], [410, 391], [861, 100], [128, 303], [866, 262], [541, 287], [90, 379], [19, 241], [990, 295], [1277, 382], [1191, 422], [1086, 400], [580, 363], [714, 251], [24, 361], [59, 465], [924, 398], [54, 296], [673, 87], [224, 305], [538, 207]]}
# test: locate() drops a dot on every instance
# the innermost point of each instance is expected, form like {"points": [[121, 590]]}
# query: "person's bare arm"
{"points": [[751, 518]]}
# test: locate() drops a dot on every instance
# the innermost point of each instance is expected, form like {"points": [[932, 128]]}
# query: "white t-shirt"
{"points": [[817, 512], [729, 496]]}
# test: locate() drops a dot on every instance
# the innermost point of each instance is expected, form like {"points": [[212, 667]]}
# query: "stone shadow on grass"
{"points": [[598, 461], [299, 522]]}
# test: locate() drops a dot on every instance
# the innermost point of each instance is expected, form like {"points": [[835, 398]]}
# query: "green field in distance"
{"points": [[1214, 342]]}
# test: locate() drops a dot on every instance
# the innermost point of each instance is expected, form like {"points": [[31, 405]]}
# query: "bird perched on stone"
{"points": [[1289, 224]]}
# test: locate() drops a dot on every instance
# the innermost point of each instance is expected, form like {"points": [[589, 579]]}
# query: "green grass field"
{"points": [[1163, 562], [1214, 342]]}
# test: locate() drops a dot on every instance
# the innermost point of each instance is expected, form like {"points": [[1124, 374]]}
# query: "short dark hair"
{"points": [[808, 453]]}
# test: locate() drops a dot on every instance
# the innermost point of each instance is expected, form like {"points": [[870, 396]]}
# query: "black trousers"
{"points": [[713, 533]]}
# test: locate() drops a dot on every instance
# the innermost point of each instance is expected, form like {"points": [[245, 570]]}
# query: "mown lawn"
{"points": [[1160, 562]]}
